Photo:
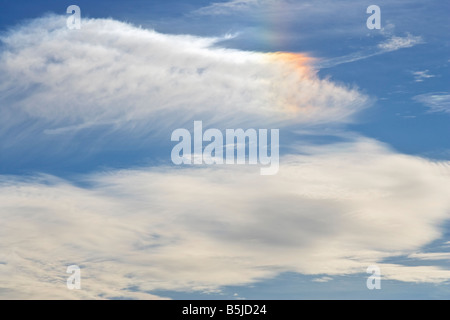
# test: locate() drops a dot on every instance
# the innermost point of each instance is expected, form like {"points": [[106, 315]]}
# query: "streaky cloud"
{"points": [[392, 44], [328, 212]]}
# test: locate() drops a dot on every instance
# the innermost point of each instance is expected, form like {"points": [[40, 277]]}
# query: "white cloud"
{"points": [[418, 274], [392, 44], [328, 212], [396, 42], [431, 256], [322, 279], [419, 76], [436, 102], [117, 76]]}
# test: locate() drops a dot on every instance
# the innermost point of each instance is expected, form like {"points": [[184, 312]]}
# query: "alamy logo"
{"points": [[74, 281], [374, 21], [235, 147], [374, 281], [74, 20]]}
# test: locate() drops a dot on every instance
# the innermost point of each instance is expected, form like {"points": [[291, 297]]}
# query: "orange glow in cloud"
{"points": [[296, 65], [298, 61]]}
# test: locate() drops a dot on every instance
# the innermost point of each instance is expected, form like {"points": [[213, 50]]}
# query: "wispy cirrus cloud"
{"points": [[113, 86], [419, 76], [393, 43], [431, 256], [281, 14], [436, 102], [228, 7], [152, 75], [396, 42]]}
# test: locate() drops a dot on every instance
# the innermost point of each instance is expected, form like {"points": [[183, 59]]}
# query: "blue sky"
{"points": [[87, 179]]}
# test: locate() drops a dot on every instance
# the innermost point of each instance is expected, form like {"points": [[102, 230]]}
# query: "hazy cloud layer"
{"points": [[330, 212]]}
